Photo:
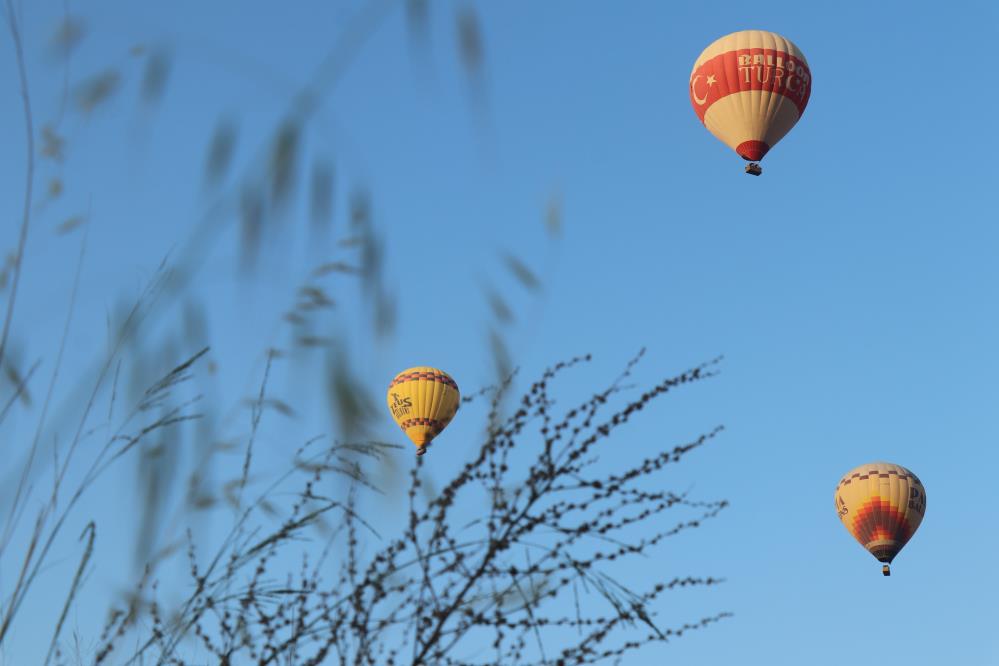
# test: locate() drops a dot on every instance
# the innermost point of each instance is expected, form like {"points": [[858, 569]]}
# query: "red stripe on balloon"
{"points": [[752, 151], [429, 376], [433, 424], [750, 69]]}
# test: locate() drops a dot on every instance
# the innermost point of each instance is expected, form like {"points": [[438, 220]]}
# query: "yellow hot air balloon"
{"points": [[423, 401], [749, 88], [881, 505]]}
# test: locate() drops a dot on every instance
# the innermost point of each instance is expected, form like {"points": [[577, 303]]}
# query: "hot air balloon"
{"points": [[881, 505], [749, 89], [423, 401]]}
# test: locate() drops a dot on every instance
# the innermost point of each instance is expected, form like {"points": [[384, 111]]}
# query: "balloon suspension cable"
{"points": [[885, 570], [420, 451]]}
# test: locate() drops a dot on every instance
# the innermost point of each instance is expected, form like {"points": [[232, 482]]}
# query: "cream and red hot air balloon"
{"points": [[423, 401], [749, 89], [881, 505]]}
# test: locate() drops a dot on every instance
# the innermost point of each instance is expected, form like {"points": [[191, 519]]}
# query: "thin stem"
{"points": [[29, 131]]}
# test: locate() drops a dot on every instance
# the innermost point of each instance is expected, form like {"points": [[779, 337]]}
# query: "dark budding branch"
{"points": [[548, 531]]}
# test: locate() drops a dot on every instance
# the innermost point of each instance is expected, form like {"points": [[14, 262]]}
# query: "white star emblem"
{"points": [[711, 80]]}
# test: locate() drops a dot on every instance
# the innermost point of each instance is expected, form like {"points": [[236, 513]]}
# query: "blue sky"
{"points": [[850, 288]]}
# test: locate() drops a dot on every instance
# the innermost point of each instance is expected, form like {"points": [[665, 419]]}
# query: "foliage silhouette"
{"points": [[425, 595], [554, 530]]}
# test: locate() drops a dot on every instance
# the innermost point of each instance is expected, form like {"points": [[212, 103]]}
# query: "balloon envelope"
{"points": [[881, 505], [749, 88], [423, 400]]}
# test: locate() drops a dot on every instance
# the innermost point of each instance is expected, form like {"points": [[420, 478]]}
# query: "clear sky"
{"points": [[851, 288]]}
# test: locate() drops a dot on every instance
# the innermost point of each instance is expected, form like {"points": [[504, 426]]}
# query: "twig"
{"points": [[90, 532], [29, 130]]}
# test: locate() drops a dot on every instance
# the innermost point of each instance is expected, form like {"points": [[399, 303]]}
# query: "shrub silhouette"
{"points": [[426, 594]]}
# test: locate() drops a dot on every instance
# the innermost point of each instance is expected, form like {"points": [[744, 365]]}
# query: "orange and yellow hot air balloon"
{"points": [[881, 505], [749, 88], [423, 401]]}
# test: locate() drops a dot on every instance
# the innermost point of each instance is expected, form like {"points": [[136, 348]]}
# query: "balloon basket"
{"points": [[885, 571], [753, 169]]}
